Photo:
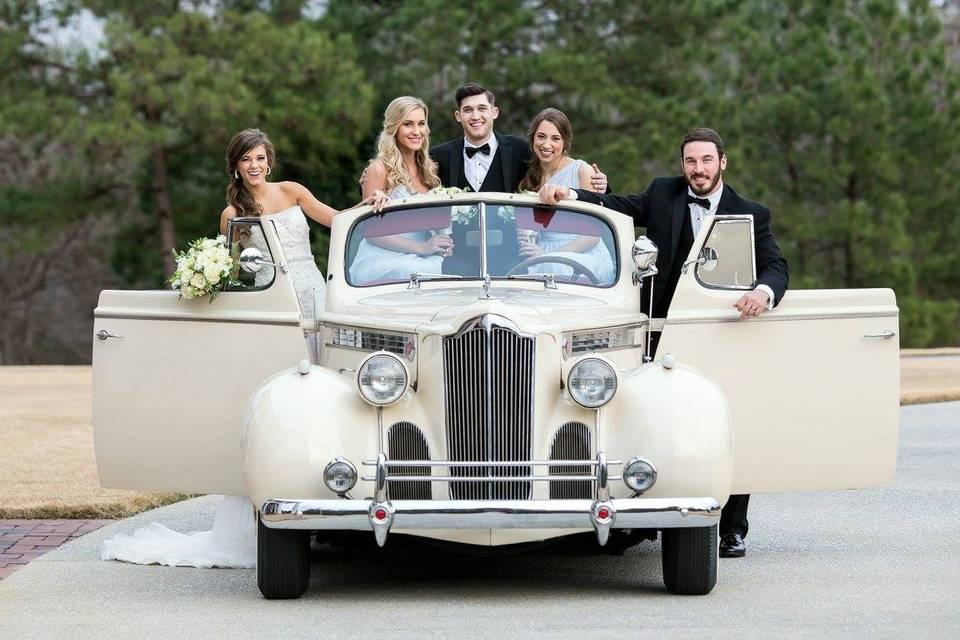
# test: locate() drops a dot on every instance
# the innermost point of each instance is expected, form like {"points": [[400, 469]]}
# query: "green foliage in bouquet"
{"points": [[204, 269]]}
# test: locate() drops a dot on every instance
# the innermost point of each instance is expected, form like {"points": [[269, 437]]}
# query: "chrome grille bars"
{"points": [[488, 380]]}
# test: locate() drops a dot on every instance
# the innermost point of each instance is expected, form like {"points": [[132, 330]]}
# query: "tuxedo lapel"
{"points": [[680, 209], [456, 162], [727, 198], [506, 160]]}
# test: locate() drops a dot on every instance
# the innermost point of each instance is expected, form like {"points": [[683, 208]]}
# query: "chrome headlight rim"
{"points": [[354, 475], [583, 362], [362, 370], [627, 475]]}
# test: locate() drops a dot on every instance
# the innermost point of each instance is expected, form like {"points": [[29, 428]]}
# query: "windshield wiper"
{"points": [[416, 278], [546, 278]]}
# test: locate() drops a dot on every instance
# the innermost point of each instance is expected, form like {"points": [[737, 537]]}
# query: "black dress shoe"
{"points": [[732, 545]]}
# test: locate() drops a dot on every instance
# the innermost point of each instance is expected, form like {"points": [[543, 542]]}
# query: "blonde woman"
{"points": [[402, 168]]}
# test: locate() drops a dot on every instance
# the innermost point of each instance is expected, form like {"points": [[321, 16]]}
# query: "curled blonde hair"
{"points": [[388, 152]]}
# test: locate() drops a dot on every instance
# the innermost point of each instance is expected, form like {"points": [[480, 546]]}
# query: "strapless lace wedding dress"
{"points": [[295, 239]]}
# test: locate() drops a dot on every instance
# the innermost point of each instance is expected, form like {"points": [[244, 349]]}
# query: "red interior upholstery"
{"points": [[405, 221], [560, 221]]}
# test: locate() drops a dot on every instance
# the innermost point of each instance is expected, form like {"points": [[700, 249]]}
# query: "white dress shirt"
{"points": [[475, 168]]}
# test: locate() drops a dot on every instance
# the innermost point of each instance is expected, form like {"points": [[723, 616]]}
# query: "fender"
{"points": [[679, 420]]}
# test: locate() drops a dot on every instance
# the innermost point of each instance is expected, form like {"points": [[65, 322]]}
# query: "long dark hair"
{"points": [[534, 178], [238, 195]]}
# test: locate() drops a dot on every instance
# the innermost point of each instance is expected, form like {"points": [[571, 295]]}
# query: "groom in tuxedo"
{"points": [[481, 160], [672, 210]]}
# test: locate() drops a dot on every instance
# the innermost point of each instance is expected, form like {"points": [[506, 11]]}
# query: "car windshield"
{"points": [[445, 241]]}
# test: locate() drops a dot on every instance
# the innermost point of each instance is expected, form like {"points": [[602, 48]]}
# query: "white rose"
{"points": [[212, 274], [198, 281], [208, 243]]}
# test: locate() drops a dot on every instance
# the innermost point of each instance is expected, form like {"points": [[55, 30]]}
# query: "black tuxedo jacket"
{"points": [[663, 210], [507, 168]]}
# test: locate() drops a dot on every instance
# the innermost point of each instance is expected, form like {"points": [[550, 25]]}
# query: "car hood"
{"points": [[444, 310]]}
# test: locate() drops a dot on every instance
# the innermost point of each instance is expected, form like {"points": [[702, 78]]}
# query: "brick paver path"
{"points": [[24, 540]]}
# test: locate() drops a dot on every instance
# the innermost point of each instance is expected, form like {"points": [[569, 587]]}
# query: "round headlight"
{"points": [[382, 379], [340, 475], [592, 382], [639, 474]]}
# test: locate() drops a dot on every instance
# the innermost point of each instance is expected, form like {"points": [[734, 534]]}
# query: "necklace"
{"points": [[564, 161]]}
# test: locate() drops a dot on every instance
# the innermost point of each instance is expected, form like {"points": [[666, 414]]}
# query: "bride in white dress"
{"points": [[402, 168], [250, 159]]}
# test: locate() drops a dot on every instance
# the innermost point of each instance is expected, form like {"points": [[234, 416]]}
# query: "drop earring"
{"points": [[236, 174]]}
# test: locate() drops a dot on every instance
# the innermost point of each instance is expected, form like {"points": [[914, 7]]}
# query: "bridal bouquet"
{"points": [[204, 268]]}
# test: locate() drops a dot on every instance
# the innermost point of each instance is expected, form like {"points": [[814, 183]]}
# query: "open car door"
{"points": [[172, 378], [813, 385]]}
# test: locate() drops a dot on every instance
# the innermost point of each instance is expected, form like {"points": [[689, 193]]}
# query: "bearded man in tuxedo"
{"points": [[672, 210]]}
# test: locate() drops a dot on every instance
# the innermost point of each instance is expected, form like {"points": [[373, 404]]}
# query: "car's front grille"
{"points": [[406, 442], [488, 379], [571, 442]]}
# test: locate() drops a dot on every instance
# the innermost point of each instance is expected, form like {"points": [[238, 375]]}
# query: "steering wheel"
{"points": [[547, 258]]}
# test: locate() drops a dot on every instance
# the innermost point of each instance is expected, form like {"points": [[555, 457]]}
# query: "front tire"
{"points": [[283, 562], [690, 560]]}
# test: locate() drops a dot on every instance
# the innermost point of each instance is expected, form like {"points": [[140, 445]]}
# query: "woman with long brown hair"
{"points": [[551, 136], [250, 160]]}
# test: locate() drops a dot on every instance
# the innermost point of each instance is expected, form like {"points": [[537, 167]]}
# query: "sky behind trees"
{"points": [[840, 116]]}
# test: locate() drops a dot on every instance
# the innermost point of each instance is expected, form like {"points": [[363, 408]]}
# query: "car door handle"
{"points": [[103, 334], [886, 335]]}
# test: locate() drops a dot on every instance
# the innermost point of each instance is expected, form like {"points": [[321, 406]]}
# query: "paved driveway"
{"points": [[880, 563]]}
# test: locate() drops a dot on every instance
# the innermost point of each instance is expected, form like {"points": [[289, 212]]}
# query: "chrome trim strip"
{"points": [[483, 241], [485, 463], [631, 513], [432, 478], [774, 317], [173, 316]]}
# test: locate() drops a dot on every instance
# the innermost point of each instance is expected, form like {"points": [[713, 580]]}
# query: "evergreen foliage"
{"points": [[840, 116]]}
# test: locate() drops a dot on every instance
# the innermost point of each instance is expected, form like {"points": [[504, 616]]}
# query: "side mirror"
{"points": [[707, 260], [251, 261], [645, 256]]}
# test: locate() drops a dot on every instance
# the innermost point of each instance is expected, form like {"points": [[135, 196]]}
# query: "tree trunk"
{"points": [[853, 195], [161, 195]]}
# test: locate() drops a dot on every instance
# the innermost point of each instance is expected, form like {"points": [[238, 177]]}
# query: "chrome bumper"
{"points": [[380, 517], [379, 514]]}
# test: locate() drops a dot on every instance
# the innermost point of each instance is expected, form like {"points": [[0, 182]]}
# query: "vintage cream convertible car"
{"points": [[494, 396]]}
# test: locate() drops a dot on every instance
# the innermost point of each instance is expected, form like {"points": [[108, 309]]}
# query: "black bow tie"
{"points": [[472, 151], [703, 202]]}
